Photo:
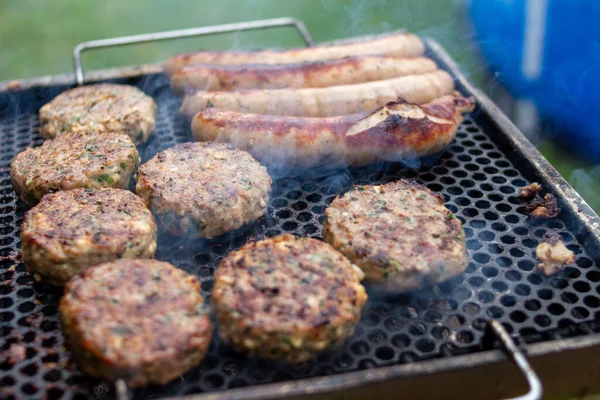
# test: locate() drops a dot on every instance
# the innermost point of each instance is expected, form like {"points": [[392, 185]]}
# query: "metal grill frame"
{"points": [[531, 160]]}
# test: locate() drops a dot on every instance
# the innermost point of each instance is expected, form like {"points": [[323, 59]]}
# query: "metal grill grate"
{"points": [[479, 183]]}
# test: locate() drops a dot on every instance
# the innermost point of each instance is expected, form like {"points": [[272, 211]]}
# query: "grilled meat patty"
{"points": [[204, 189], [71, 230], [400, 234], [286, 297], [139, 320], [74, 160], [104, 108]]}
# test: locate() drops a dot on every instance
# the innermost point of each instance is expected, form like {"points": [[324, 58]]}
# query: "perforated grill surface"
{"points": [[479, 184]]}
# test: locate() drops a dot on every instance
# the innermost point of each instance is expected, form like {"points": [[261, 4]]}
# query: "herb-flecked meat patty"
{"points": [[143, 321], [74, 160], [103, 108], [72, 230], [400, 234], [204, 189], [287, 297]]}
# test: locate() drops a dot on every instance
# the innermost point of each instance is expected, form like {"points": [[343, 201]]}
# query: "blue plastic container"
{"points": [[548, 51]]}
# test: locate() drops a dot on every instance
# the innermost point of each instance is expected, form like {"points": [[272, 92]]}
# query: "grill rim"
{"points": [[588, 220]]}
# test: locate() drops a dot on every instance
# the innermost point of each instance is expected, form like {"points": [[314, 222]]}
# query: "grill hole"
{"points": [[377, 336], [464, 337], [523, 290], [533, 305], [284, 214], [471, 308], [299, 205], [54, 393], [571, 272], [289, 226], [52, 376], [581, 286], [487, 236], [440, 332], [278, 203], [584, 262], [417, 329], [580, 313], [314, 198], [559, 283], [507, 239], [535, 279], [508, 301], [384, 353], [425, 345], [495, 312], [569, 297], [360, 348], [433, 315], [591, 301], [473, 245], [525, 265], [475, 281], [485, 297], [499, 286], [29, 389], [556, 309], [489, 272], [401, 341], [542, 320], [455, 321], [6, 316], [518, 316], [213, 381], [516, 253], [392, 324]]}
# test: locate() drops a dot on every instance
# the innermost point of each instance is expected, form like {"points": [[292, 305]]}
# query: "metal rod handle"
{"points": [[535, 385], [121, 390], [183, 33]]}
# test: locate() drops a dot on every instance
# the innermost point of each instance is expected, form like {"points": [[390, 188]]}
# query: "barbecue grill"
{"points": [[452, 340]]}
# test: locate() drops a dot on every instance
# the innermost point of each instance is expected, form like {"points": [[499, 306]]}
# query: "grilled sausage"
{"points": [[310, 74], [397, 44], [397, 131], [325, 102]]}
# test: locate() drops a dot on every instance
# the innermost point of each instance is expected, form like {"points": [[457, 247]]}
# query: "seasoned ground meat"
{"points": [[287, 297], [530, 191], [70, 231], [546, 208], [204, 189], [103, 108], [399, 234], [74, 160], [143, 321], [553, 254]]}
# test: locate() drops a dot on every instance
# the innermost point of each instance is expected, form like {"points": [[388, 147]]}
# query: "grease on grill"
{"points": [[480, 186]]}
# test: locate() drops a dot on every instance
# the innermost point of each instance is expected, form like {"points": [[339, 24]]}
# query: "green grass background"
{"points": [[37, 38]]}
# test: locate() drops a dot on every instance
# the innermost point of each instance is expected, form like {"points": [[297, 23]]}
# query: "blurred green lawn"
{"points": [[37, 38]]}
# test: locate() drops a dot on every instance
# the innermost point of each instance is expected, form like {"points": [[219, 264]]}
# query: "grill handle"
{"points": [[121, 391], [517, 356], [184, 33]]}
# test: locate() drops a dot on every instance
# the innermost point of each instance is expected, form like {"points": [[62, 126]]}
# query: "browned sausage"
{"points": [[397, 44], [397, 131], [312, 74], [325, 102]]}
